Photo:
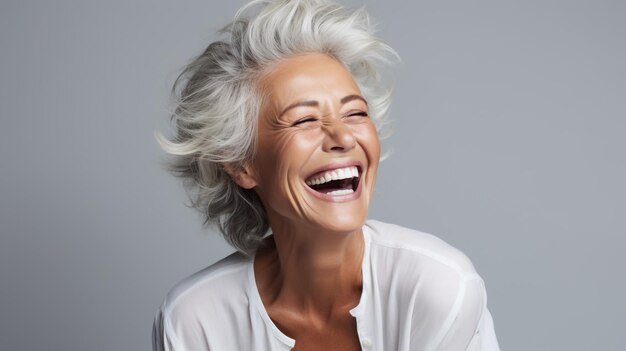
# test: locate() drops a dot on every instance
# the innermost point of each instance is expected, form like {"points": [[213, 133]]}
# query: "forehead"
{"points": [[307, 77]]}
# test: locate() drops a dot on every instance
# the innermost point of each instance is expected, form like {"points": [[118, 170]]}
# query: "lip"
{"points": [[337, 198]]}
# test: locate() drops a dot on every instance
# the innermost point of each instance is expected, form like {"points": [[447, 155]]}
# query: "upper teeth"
{"points": [[335, 174]]}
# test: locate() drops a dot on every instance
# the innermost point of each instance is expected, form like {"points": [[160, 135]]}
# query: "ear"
{"points": [[242, 175]]}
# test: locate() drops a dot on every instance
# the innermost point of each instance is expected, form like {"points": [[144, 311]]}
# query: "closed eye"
{"points": [[361, 113], [304, 120]]}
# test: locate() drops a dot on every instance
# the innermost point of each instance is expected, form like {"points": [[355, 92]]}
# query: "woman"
{"points": [[277, 130]]}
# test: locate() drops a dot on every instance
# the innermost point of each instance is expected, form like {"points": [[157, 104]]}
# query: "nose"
{"points": [[339, 137]]}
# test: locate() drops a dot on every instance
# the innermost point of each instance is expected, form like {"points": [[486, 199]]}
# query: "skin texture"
{"points": [[309, 275]]}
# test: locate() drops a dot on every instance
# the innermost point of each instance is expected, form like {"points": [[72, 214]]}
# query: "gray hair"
{"points": [[217, 102]]}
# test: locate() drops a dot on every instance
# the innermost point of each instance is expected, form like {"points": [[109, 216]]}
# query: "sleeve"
{"points": [[485, 337], [162, 340], [177, 330], [469, 325], [165, 336]]}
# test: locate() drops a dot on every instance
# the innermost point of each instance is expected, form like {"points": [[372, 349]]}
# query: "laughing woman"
{"points": [[277, 143]]}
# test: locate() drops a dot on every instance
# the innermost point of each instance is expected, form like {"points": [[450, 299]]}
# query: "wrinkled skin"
{"points": [[309, 276], [288, 153]]}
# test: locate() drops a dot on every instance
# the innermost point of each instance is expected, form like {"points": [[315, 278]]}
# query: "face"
{"points": [[318, 150]]}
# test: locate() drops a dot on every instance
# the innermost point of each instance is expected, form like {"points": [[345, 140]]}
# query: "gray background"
{"points": [[509, 144]]}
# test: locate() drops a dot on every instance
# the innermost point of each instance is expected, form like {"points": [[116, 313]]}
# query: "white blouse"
{"points": [[419, 293]]}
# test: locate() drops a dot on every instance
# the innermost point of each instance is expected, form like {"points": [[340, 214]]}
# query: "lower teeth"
{"points": [[340, 192]]}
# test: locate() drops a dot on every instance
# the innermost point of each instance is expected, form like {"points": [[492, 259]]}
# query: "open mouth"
{"points": [[340, 181]]}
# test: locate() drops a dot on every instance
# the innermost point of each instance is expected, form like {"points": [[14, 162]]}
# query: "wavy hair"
{"points": [[217, 103]]}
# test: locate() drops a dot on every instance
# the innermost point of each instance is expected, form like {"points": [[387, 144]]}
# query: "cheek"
{"points": [[368, 139], [280, 158]]}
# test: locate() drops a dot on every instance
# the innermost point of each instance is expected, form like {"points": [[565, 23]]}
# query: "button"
{"points": [[366, 342]]}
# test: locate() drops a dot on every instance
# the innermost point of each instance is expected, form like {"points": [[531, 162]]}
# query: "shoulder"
{"points": [[194, 308], [418, 247], [208, 291], [434, 282]]}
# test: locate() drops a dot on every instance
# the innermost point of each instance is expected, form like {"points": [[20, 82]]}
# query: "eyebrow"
{"points": [[349, 98], [314, 103]]}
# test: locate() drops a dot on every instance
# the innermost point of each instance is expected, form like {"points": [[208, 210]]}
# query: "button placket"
{"points": [[366, 342]]}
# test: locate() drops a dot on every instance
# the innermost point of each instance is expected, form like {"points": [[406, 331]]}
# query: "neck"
{"points": [[312, 271]]}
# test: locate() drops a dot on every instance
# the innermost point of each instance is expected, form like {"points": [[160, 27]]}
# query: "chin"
{"points": [[342, 221], [342, 214]]}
